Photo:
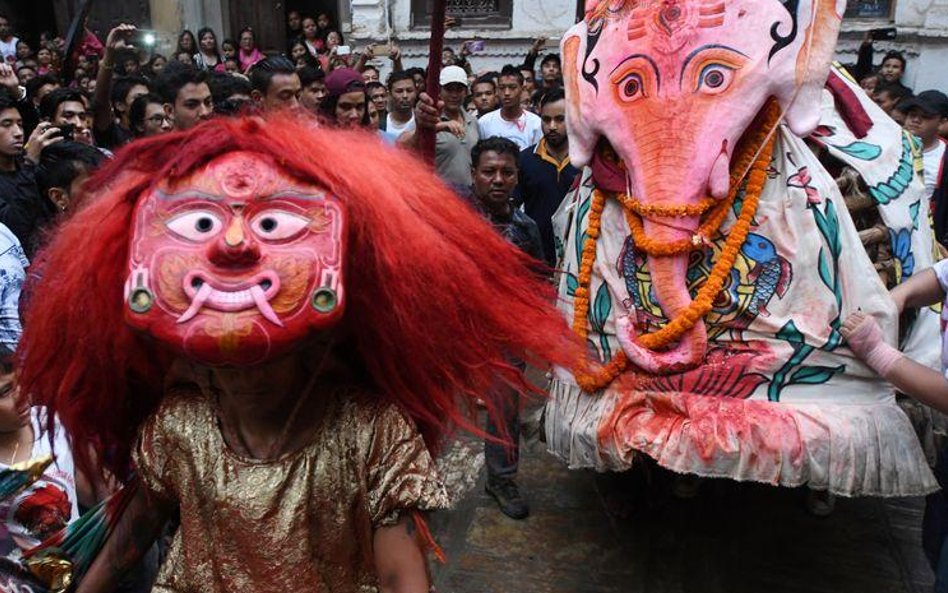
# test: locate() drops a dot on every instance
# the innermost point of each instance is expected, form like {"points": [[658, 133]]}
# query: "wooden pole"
{"points": [[74, 37], [435, 47]]}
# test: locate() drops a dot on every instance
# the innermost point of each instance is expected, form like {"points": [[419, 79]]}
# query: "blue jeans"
{"points": [[502, 458]]}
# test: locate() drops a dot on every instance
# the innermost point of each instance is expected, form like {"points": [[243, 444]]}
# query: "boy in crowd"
{"points": [[147, 116], [313, 82], [276, 85], [187, 96], [512, 121], [546, 174], [401, 119]]}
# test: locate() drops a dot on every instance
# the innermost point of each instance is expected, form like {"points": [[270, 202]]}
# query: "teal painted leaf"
{"points": [[572, 283], [606, 348], [601, 308], [832, 230], [581, 213], [914, 210], [862, 151], [790, 333], [825, 275], [834, 340], [814, 375]]}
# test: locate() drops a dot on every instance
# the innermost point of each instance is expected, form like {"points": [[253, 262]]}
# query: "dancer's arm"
{"points": [[399, 561], [137, 529], [864, 337]]}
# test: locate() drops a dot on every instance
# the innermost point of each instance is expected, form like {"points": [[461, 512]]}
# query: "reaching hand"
{"points": [[8, 77], [427, 114], [117, 37], [44, 135], [538, 44], [368, 53], [396, 53], [865, 339], [455, 127]]}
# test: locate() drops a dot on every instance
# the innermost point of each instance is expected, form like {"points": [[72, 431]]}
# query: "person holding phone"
{"points": [[892, 68]]}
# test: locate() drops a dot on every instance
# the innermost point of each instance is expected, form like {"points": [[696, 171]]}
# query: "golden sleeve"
{"points": [[401, 473], [153, 455]]}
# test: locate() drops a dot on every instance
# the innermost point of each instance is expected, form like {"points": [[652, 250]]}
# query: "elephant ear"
{"points": [[583, 134], [821, 19]]}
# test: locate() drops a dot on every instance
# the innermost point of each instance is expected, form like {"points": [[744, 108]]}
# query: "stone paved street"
{"points": [[731, 538]]}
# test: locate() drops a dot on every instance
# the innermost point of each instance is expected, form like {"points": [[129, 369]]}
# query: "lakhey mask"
{"points": [[673, 85], [236, 263]]}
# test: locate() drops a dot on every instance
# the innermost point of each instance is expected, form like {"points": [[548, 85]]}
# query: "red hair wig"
{"points": [[438, 301]]}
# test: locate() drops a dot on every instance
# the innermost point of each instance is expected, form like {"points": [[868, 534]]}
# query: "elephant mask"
{"points": [[673, 85]]}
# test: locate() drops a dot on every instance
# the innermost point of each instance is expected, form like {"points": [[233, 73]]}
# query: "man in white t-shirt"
{"points": [[401, 116], [511, 121], [924, 114], [8, 40]]}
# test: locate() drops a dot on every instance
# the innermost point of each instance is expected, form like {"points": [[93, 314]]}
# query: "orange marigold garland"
{"points": [[593, 379]]}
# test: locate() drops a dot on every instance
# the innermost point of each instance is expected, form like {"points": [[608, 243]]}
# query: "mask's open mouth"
{"points": [[257, 292]]}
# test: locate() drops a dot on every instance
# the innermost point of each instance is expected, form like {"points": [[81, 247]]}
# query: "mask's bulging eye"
{"points": [[196, 225], [632, 88], [277, 225], [715, 79]]}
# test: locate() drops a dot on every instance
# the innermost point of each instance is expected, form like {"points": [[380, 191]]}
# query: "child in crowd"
{"points": [[930, 387], [50, 503]]}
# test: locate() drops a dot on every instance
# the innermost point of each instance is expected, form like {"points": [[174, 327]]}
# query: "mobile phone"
{"points": [[143, 38], [382, 51], [67, 131], [884, 34], [476, 45], [343, 50]]}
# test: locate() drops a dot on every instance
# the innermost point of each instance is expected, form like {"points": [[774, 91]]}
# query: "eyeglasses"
{"points": [[159, 119]]}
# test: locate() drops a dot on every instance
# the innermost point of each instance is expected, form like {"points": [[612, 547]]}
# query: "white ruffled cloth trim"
{"points": [[850, 450]]}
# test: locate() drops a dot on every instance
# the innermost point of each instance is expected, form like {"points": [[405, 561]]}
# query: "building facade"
{"points": [[921, 35], [507, 27]]}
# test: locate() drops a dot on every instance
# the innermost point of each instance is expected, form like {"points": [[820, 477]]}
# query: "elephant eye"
{"points": [[715, 79], [632, 88]]}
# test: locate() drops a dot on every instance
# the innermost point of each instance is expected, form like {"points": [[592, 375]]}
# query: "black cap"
{"points": [[931, 102]]}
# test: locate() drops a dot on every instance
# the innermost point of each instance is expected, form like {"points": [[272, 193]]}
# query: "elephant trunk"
{"points": [[670, 285]]}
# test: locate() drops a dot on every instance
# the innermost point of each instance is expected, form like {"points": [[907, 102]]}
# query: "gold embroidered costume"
{"points": [[301, 522]]}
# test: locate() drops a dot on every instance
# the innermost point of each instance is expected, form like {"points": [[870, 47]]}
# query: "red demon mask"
{"points": [[236, 264]]}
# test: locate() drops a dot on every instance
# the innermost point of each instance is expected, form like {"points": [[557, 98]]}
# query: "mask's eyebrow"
{"points": [[190, 194], [295, 195], [694, 54], [187, 194], [646, 58]]}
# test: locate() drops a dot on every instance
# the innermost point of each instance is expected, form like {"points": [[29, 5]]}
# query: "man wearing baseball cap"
{"points": [[924, 113], [457, 130]]}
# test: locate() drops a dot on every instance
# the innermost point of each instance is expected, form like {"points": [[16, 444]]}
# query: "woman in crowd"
{"points": [[44, 58], [155, 65], [314, 44], [186, 43], [208, 57], [248, 54], [299, 53]]}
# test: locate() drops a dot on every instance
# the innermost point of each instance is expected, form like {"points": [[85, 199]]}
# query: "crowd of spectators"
{"points": [[925, 115]]}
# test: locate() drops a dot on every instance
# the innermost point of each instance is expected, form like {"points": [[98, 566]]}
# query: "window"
{"points": [[869, 9], [473, 13]]}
